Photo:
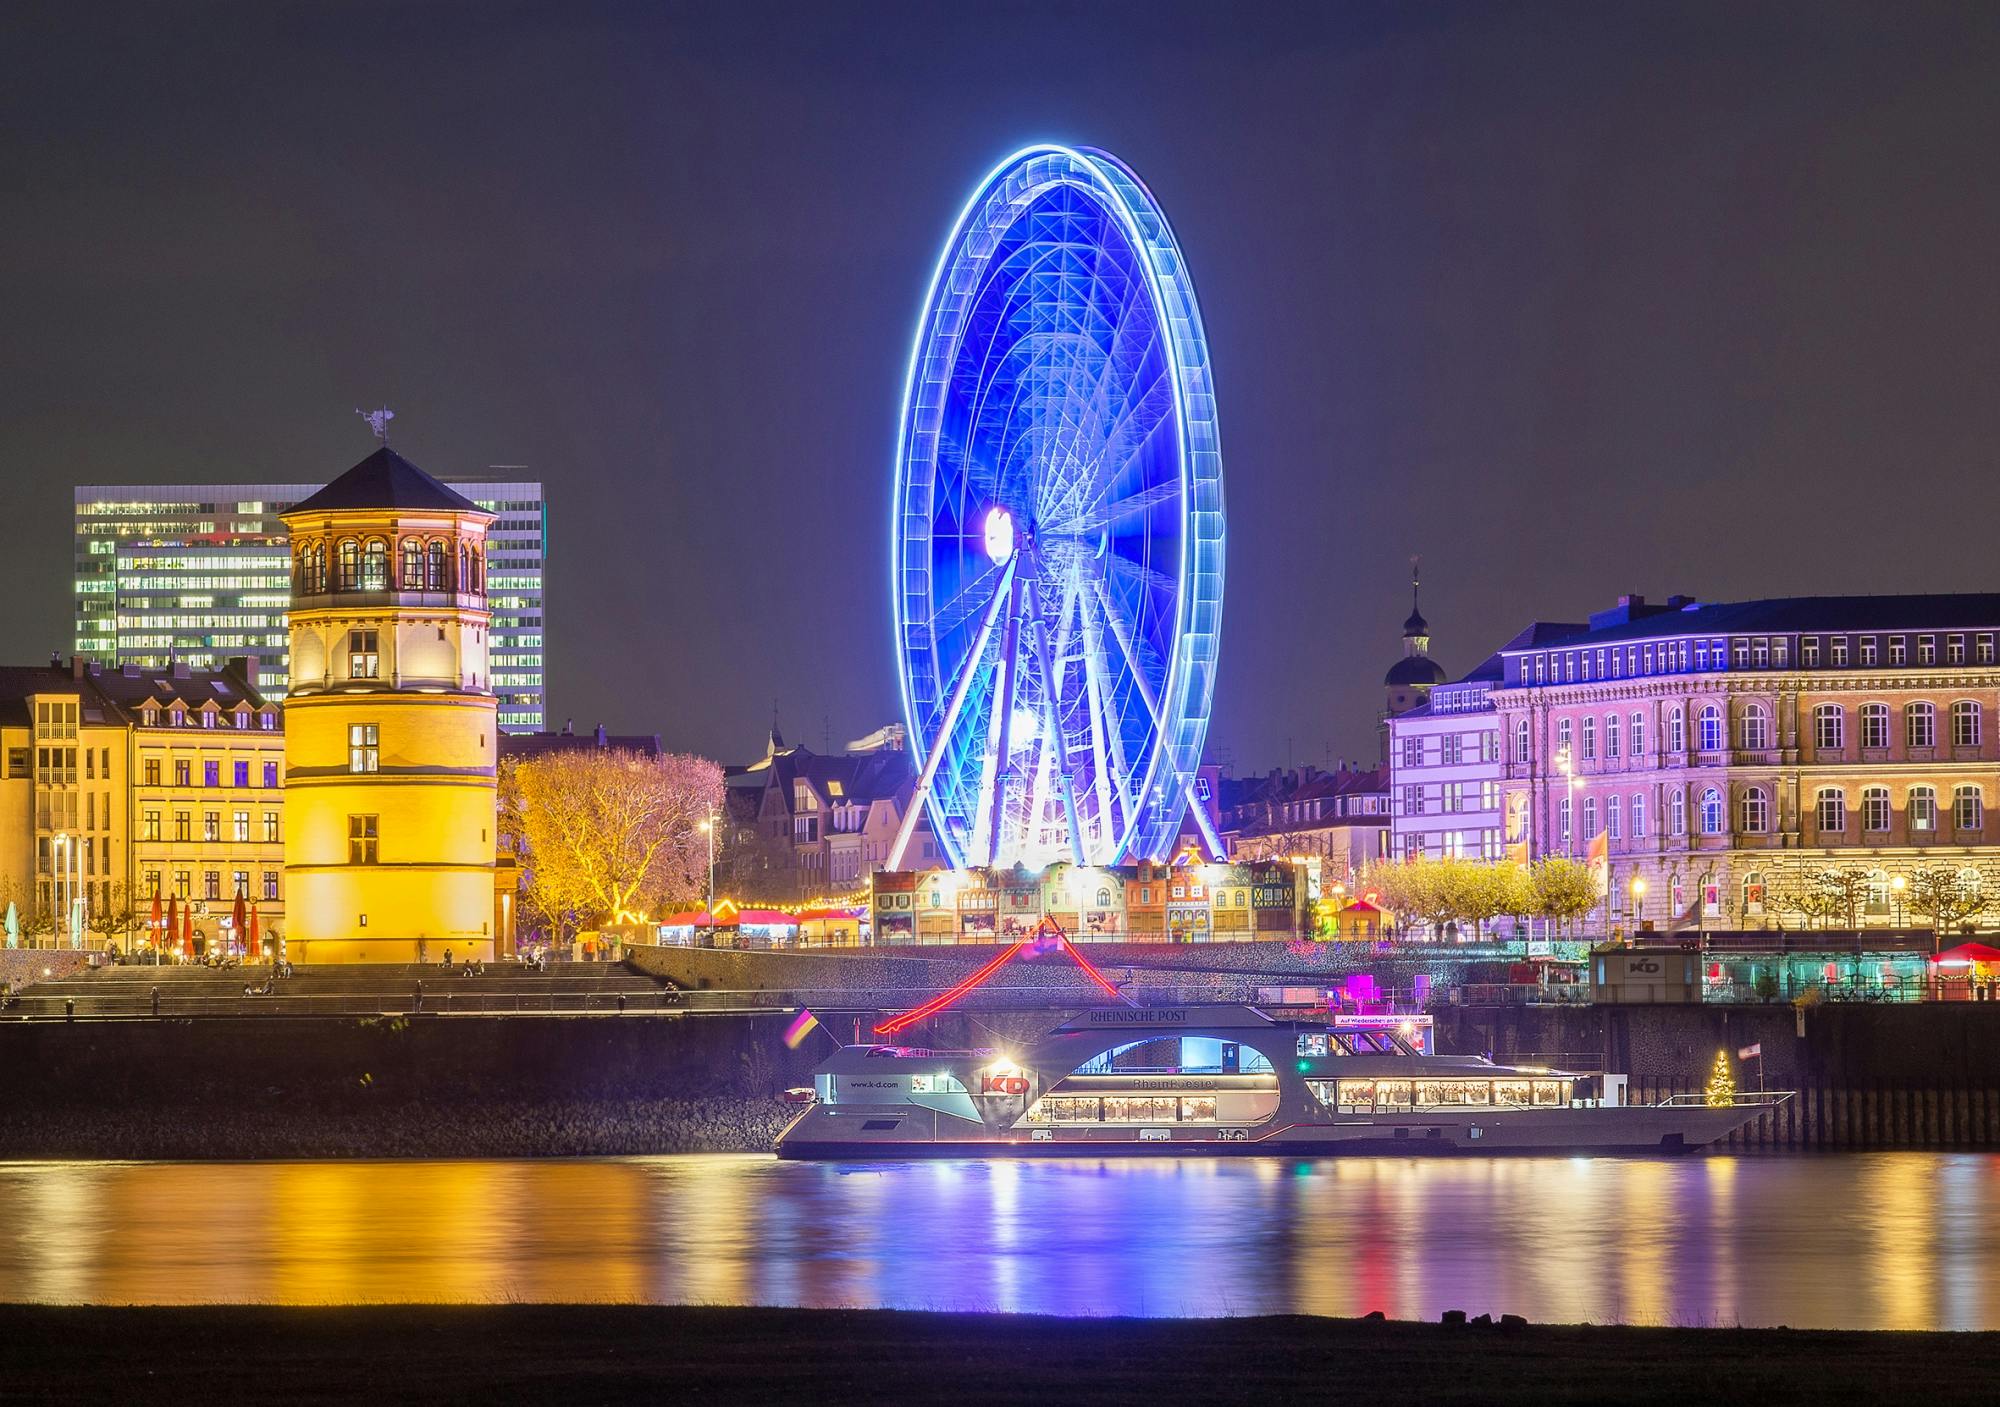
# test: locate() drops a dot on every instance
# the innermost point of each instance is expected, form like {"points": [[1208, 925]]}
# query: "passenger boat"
{"points": [[1230, 1079]]}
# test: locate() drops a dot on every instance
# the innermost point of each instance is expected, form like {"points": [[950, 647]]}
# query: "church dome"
{"points": [[1419, 671]]}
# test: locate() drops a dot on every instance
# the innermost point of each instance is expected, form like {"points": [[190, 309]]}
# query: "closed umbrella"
{"points": [[170, 936], [187, 931], [154, 929], [13, 926], [236, 920], [256, 943]]}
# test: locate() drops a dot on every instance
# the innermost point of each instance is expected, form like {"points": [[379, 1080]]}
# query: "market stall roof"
{"points": [[1965, 954]]}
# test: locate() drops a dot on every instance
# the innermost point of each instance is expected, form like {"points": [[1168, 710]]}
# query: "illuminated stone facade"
{"points": [[1727, 752], [391, 723]]}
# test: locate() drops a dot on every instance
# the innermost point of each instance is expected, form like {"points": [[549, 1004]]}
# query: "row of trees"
{"points": [[608, 836], [1948, 897], [1439, 892]]}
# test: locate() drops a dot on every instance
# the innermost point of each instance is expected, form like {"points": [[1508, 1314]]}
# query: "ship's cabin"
{"points": [[1165, 1080]]}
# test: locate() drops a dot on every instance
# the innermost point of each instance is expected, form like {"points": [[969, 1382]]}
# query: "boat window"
{"points": [[1435, 1092], [1198, 1108], [1392, 1094], [1140, 1109], [1356, 1096], [1065, 1109], [1513, 1092], [1312, 1043], [1185, 1055], [1550, 1092], [936, 1084]]}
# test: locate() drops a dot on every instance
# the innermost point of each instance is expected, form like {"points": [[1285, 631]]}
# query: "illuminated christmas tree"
{"points": [[1721, 1084]]}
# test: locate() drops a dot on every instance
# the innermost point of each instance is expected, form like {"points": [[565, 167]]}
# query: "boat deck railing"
{"points": [[1742, 1099]]}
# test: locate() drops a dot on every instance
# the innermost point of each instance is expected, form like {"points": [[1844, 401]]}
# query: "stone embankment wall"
{"points": [[395, 1086], [1890, 1076]]}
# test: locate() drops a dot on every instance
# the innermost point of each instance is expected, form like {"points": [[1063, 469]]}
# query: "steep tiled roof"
{"points": [[385, 480]]}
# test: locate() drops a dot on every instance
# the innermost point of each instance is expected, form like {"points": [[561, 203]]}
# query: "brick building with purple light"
{"points": [[1726, 752]]}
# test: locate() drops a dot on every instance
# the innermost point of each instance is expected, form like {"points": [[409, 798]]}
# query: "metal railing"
{"points": [[179, 1006], [1742, 1099]]}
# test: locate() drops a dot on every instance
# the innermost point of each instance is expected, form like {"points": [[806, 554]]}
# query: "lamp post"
{"points": [[1896, 886], [62, 882], [708, 829], [1638, 899], [1568, 771]]}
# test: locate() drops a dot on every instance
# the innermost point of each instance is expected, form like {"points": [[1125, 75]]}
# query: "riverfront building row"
{"points": [[1723, 755]]}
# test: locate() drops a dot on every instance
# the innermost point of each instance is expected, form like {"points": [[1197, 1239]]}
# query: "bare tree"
{"points": [[612, 834], [1947, 897]]}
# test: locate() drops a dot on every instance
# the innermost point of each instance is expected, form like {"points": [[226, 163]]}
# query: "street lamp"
{"points": [[1569, 775], [1896, 884], [1638, 898], [708, 829]]}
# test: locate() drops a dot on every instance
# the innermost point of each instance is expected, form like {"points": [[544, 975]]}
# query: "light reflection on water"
{"points": [[1891, 1240]]}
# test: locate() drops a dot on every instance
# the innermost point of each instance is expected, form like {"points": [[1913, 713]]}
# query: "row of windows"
{"points": [[211, 826], [1753, 812], [1453, 749], [211, 773], [1769, 652], [426, 564], [211, 885], [180, 717], [1452, 797], [1754, 731]]}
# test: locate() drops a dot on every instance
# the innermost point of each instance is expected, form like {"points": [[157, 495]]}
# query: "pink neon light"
{"points": [[946, 999]]}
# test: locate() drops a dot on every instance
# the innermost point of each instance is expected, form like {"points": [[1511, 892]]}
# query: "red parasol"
{"points": [[187, 931], [236, 929], [171, 935], [256, 944], [153, 929]]}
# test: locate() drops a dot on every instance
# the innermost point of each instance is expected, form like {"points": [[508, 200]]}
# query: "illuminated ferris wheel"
{"points": [[1058, 530]]}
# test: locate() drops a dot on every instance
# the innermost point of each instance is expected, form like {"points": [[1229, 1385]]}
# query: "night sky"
{"points": [[1570, 299]]}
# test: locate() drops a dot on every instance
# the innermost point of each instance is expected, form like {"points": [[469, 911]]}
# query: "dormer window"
{"points": [[149, 716], [176, 717], [268, 721], [208, 718]]}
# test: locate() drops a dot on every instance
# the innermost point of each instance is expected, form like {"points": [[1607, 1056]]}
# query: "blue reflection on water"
{"points": [[1895, 1240]]}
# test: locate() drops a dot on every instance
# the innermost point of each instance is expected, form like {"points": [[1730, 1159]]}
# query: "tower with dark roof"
{"points": [[391, 739], [1410, 679]]}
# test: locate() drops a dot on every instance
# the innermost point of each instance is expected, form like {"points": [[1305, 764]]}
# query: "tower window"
{"points": [[360, 840], [363, 747], [363, 661]]}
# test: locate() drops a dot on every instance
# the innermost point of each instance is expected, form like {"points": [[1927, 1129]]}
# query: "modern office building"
{"points": [[199, 573]]}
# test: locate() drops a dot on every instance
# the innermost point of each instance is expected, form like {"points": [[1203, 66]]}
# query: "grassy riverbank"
{"points": [[534, 1353]]}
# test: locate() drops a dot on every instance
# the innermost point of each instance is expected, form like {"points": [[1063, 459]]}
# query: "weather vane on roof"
{"points": [[378, 421]]}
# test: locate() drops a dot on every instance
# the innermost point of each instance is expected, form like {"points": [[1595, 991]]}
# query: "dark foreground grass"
{"points": [[589, 1354]]}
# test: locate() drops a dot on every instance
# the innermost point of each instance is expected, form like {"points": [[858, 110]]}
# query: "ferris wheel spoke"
{"points": [[967, 602]]}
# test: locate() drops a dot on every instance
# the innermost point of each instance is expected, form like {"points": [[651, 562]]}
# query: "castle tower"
{"points": [[1409, 682], [390, 735]]}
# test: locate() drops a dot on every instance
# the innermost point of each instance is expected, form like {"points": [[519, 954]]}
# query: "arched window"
{"points": [[1589, 738], [1968, 809], [1638, 734], [476, 581], [1965, 724], [434, 568], [1709, 733], [1874, 808], [1923, 808], [1614, 819], [348, 572], [1875, 725], [1920, 724], [1831, 806], [1522, 741], [1755, 811], [1677, 820], [1829, 727], [1104, 898], [1711, 811], [1612, 740], [1969, 882], [1677, 740], [1756, 728], [413, 564], [319, 568], [1589, 817], [375, 565], [1639, 817], [1753, 892]]}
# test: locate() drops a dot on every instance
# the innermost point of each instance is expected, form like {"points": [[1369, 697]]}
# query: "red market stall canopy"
{"points": [[1968, 955]]}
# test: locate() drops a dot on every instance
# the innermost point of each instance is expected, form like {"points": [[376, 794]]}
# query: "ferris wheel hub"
{"points": [[999, 534]]}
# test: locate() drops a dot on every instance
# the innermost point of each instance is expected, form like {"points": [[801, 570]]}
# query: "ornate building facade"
{"points": [[1722, 754], [391, 740]]}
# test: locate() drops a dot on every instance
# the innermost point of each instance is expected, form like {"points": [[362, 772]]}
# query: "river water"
{"points": [[1866, 1241]]}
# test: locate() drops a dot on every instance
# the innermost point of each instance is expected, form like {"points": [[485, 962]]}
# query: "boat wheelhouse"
{"points": [[1228, 1079]]}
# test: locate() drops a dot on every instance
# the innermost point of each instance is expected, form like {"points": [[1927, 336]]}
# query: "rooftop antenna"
{"points": [[378, 421], [1416, 579]]}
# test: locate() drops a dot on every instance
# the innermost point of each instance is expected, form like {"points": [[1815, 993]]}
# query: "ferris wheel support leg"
{"points": [[1003, 725], [920, 794], [1201, 820], [1052, 724]]}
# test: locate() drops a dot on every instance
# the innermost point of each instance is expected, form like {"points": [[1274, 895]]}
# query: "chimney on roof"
{"points": [[130, 671], [55, 659], [76, 666], [1679, 603], [180, 670]]}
